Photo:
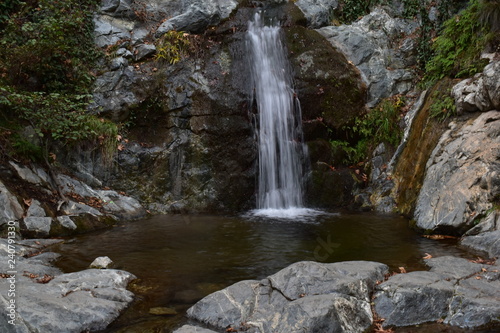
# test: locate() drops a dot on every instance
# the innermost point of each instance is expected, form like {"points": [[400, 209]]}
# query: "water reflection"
{"points": [[180, 259]]}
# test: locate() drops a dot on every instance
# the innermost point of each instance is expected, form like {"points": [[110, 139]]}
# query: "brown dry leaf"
{"points": [[478, 278], [427, 256], [27, 202], [120, 147], [402, 270]]}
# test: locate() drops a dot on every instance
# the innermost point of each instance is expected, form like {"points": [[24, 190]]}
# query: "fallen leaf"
{"points": [[427, 256], [402, 270]]}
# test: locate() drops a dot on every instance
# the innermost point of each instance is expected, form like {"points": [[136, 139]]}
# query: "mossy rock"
{"points": [[327, 85]]}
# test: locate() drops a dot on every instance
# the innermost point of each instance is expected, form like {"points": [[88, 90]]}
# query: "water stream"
{"points": [[281, 146]]}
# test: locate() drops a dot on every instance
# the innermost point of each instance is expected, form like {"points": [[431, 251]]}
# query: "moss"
{"points": [[410, 167]]}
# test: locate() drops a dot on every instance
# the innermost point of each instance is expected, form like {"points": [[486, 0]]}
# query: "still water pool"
{"points": [[181, 258]]}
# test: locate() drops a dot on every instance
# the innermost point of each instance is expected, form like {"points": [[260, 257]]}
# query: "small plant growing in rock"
{"points": [[172, 47]]}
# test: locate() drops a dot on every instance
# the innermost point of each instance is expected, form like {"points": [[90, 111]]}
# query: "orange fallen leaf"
{"points": [[402, 270], [427, 256]]}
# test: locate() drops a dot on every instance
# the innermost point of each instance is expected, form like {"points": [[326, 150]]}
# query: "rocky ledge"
{"points": [[352, 297], [40, 298]]}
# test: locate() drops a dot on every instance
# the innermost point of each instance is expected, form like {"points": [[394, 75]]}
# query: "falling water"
{"points": [[281, 147]]}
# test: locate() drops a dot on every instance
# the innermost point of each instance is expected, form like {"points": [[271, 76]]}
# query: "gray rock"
{"points": [[304, 296], [413, 298], [118, 8], [35, 210], [108, 30], [39, 225], [10, 209], [476, 303], [459, 292], [101, 262], [198, 16], [485, 236], [479, 93], [144, 51], [76, 208], [75, 302], [117, 63], [453, 267], [318, 13], [193, 329], [462, 176], [367, 44], [66, 222], [27, 174]]}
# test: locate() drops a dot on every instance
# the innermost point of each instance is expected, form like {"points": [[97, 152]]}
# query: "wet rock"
{"points": [[318, 297], [101, 262], [367, 43], [461, 176], [317, 13]]}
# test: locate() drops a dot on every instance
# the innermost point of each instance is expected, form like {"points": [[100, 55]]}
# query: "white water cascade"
{"points": [[281, 147]]}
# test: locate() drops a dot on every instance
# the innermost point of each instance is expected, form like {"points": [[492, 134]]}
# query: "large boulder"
{"points": [[374, 45], [304, 296], [462, 176], [485, 236], [455, 291]]}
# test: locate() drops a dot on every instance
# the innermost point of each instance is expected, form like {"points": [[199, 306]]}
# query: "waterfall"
{"points": [[281, 147]]}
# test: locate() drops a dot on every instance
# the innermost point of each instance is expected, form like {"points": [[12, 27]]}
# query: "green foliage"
{"points": [[47, 54], [458, 48], [489, 14], [48, 46], [379, 125], [6, 8], [349, 11], [172, 47], [443, 105]]}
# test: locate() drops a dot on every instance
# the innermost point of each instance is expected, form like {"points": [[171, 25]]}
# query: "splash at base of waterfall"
{"points": [[292, 213]]}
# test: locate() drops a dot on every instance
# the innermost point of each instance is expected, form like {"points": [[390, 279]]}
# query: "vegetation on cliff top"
{"points": [[47, 58]]}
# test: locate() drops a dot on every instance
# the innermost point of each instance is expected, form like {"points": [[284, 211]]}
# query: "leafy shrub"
{"points": [[47, 54], [349, 11], [443, 105], [172, 46], [458, 48], [379, 125]]}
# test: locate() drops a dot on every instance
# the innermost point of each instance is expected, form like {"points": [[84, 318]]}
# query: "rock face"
{"points": [[462, 176], [460, 292], [48, 301], [78, 208], [304, 296], [481, 92], [374, 46]]}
